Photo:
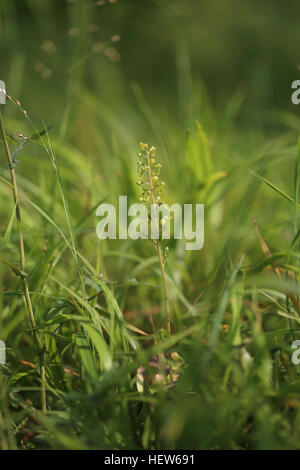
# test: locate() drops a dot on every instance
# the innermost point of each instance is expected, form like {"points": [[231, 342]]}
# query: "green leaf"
{"points": [[6, 237], [86, 355], [271, 185]]}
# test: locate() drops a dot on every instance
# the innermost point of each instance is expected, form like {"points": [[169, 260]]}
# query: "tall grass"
{"points": [[233, 334], [21, 271], [98, 311]]}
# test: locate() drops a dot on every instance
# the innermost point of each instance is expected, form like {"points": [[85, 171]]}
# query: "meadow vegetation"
{"points": [[120, 344]]}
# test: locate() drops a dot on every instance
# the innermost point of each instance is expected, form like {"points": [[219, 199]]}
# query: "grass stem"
{"points": [[27, 297]]}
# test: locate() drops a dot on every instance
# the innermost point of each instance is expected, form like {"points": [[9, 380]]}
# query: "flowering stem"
{"points": [[161, 260], [23, 266]]}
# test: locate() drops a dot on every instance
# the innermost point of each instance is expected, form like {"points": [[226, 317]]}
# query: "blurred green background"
{"points": [[209, 84], [179, 53], [106, 75]]}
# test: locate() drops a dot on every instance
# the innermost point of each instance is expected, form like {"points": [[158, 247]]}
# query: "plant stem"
{"points": [[166, 295], [162, 268], [23, 266]]}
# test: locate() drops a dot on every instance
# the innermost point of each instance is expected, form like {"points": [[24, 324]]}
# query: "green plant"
{"points": [[151, 186], [21, 270], [99, 306]]}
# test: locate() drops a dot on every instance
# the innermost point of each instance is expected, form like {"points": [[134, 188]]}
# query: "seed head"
{"points": [[149, 171]]}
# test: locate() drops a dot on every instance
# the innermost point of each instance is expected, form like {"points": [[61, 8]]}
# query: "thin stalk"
{"points": [[166, 295], [23, 266], [162, 268]]}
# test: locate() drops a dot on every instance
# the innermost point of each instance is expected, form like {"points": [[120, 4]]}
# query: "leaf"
{"points": [[100, 345], [275, 268], [86, 355], [223, 304], [15, 269], [279, 191], [6, 237], [203, 149], [97, 340], [5, 181]]}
